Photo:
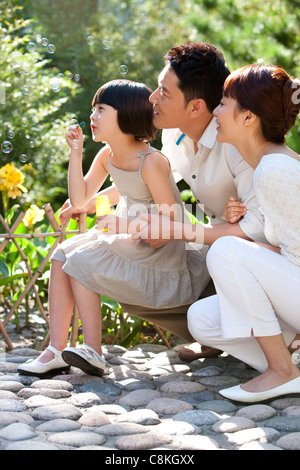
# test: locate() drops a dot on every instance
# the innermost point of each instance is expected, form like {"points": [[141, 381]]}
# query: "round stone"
{"points": [[217, 406], [58, 425], [182, 386], [11, 386], [12, 406], [7, 417], [197, 417], [139, 416], [142, 441], [94, 418], [17, 432], [46, 413], [77, 438], [85, 400], [168, 406], [53, 385], [233, 424], [39, 400], [139, 397], [257, 412], [290, 441], [122, 429]]}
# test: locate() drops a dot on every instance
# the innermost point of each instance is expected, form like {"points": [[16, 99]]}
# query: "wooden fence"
{"points": [[59, 233]]}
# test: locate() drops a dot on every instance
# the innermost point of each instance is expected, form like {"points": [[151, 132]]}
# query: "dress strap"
{"points": [[143, 155]]}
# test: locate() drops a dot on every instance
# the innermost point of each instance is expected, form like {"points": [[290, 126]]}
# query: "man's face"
{"points": [[168, 101]]}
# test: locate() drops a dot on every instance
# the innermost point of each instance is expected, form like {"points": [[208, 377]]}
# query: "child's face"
{"points": [[104, 123]]}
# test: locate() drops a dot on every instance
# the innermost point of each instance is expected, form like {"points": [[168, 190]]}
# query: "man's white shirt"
{"points": [[216, 172]]}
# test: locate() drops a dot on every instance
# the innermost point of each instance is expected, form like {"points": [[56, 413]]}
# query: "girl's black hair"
{"points": [[131, 100]]}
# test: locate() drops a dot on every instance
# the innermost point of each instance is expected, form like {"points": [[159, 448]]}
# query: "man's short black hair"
{"points": [[201, 71]]}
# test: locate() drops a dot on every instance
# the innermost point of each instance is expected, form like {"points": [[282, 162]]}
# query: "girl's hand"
{"points": [[112, 224], [234, 211], [74, 137]]}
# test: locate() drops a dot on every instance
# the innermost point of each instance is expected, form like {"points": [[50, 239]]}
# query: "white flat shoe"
{"points": [[86, 359], [238, 394], [38, 369]]}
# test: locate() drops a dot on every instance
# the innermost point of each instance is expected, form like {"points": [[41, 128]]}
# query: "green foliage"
{"points": [[32, 118], [95, 38], [251, 32]]}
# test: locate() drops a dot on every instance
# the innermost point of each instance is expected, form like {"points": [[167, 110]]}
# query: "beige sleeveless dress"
{"points": [[130, 271]]}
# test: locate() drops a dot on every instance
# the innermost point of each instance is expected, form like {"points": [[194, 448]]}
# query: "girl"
{"points": [[110, 262], [255, 314]]}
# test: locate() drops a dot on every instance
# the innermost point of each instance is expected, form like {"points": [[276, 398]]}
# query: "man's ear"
{"points": [[196, 107]]}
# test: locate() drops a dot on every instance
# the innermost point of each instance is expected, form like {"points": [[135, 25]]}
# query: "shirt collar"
{"points": [[208, 138]]}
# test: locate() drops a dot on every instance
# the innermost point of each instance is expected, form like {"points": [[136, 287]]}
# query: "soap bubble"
{"points": [[10, 134], [6, 147], [123, 69], [55, 85], [51, 48], [16, 59], [26, 68], [70, 75], [23, 158], [31, 47], [25, 90], [44, 42], [24, 122], [31, 144], [90, 40], [105, 44], [77, 77]]}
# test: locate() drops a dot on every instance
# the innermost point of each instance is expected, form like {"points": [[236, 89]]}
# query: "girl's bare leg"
{"points": [[89, 307], [281, 368], [61, 304]]}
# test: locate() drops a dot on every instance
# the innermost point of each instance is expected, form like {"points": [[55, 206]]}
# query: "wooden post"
{"points": [[75, 319]]}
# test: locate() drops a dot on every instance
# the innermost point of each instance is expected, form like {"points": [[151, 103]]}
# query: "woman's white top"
{"points": [[277, 187]]}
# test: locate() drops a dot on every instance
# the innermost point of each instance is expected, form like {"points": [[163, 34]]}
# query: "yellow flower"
{"points": [[11, 180], [33, 215]]}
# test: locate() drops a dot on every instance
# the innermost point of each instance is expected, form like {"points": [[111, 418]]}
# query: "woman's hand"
{"points": [[74, 137], [234, 211]]}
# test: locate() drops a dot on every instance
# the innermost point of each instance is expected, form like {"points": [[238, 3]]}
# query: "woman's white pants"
{"points": [[258, 294]]}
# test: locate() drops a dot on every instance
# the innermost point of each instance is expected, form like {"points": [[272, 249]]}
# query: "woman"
{"points": [[255, 315]]}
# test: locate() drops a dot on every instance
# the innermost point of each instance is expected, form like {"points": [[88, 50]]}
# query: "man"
{"points": [[189, 88]]}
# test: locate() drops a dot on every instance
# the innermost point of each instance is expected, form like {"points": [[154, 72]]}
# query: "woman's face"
{"points": [[229, 121]]}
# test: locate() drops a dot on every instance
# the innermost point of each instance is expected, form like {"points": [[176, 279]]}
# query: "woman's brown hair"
{"points": [[268, 92]]}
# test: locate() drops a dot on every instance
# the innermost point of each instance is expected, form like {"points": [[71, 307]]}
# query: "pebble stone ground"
{"points": [[148, 400]]}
